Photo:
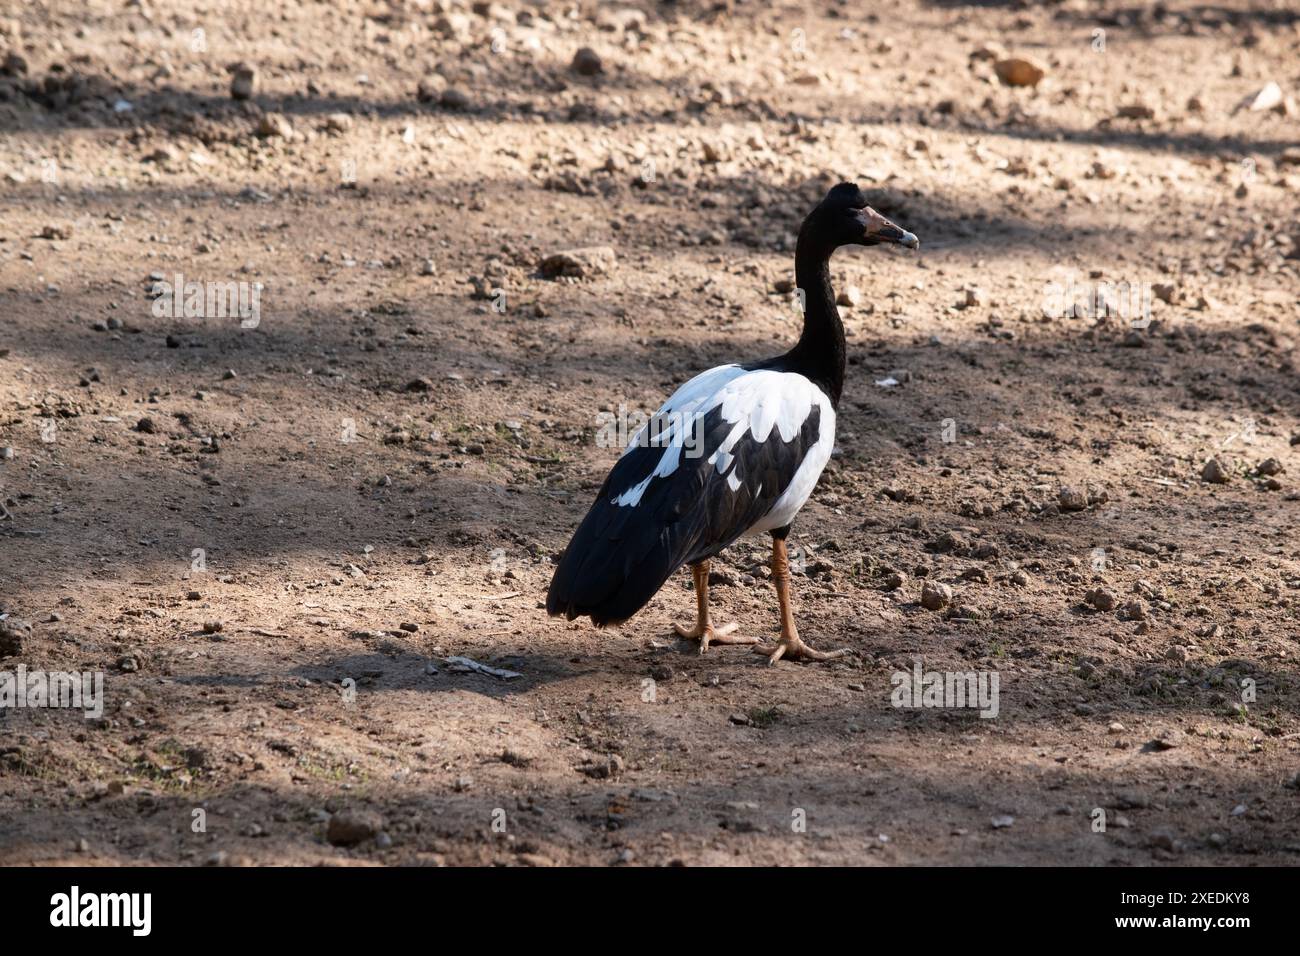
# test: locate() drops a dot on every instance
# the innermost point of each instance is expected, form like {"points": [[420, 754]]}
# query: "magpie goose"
{"points": [[736, 450]]}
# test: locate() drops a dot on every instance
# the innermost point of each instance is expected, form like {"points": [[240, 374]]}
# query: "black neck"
{"points": [[820, 352]]}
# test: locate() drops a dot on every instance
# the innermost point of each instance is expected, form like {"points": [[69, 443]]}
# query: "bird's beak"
{"points": [[904, 238], [879, 229]]}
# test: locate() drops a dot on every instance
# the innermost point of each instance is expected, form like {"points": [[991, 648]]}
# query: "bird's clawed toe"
{"points": [[708, 634], [793, 649]]}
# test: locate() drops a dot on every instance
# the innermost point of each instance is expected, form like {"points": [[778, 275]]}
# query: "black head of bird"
{"points": [[843, 218]]}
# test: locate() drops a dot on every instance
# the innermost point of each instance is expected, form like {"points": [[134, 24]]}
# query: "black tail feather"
{"points": [[616, 562]]}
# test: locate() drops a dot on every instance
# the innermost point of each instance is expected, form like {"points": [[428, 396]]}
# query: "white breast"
{"points": [[798, 492]]}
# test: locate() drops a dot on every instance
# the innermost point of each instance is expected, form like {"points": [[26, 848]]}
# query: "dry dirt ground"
{"points": [[408, 435]]}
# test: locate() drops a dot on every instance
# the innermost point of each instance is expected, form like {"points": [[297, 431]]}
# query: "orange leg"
{"points": [[704, 631], [788, 645]]}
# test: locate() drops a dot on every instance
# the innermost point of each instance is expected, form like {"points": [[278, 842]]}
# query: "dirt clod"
{"points": [[1215, 473], [14, 634], [1102, 599], [587, 62], [935, 596], [1019, 71], [579, 263], [351, 827]]}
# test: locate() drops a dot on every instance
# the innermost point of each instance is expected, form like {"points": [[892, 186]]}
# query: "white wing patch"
{"points": [[754, 402], [800, 489], [633, 495], [767, 398], [686, 402]]}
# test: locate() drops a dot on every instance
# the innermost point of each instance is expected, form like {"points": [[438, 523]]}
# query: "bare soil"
{"points": [[394, 443]]}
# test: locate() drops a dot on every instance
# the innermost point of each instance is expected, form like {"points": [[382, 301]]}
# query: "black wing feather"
{"points": [[620, 556]]}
